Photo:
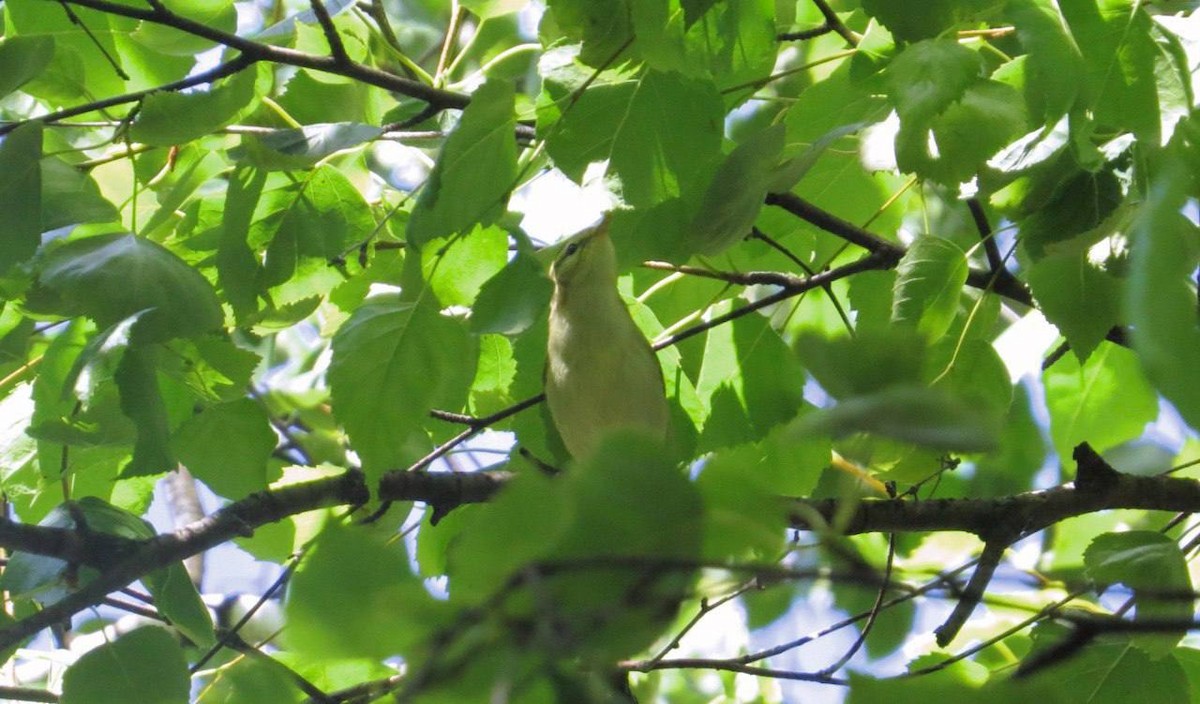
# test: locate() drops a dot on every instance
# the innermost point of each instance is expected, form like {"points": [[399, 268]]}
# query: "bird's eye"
{"points": [[572, 248]]}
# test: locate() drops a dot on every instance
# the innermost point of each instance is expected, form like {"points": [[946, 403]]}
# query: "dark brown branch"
{"points": [[28, 694], [832, 23], [993, 552], [731, 666], [990, 248], [868, 263], [1019, 514], [832, 224], [336, 49], [444, 491], [237, 519], [746, 278], [1008, 287], [256, 51], [1116, 335]]}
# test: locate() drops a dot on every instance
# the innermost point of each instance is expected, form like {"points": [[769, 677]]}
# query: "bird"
{"points": [[601, 373]]}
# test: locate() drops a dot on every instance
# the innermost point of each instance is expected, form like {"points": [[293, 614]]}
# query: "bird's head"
{"points": [[586, 259]]}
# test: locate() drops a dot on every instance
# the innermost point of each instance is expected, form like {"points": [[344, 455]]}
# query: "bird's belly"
{"points": [[592, 397]]}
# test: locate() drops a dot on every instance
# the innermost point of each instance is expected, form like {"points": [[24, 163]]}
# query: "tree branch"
{"points": [[832, 23], [256, 51], [336, 49], [1009, 287], [220, 71], [236, 519]]}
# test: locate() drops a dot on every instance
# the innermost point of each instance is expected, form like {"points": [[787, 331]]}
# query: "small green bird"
{"points": [[601, 374]]}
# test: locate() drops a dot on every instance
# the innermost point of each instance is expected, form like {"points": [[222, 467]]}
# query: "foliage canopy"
{"points": [[280, 244]]}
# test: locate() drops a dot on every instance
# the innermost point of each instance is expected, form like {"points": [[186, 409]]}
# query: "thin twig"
{"points": [[873, 614], [457, 15], [868, 263], [112, 61], [828, 288], [229, 635], [217, 72], [336, 49], [832, 23], [257, 51]]}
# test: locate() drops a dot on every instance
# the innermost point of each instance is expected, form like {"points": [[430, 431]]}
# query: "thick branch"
{"points": [[237, 519]]}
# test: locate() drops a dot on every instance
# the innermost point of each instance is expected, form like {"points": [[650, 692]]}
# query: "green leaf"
{"points": [[1081, 300], [248, 680], [79, 68], [1111, 670], [750, 380], [653, 164], [456, 268], [731, 204], [21, 59], [169, 118], [925, 78], [969, 132], [870, 361], [145, 665], [21, 192], [325, 216], [142, 403], [1079, 203], [960, 682], [1022, 451], [476, 170], [1081, 400], [513, 299], [214, 14], [237, 269], [1161, 298], [972, 371], [394, 361], [305, 146], [483, 556], [929, 281], [628, 501], [491, 390], [1118, 52], [1153, 566], [741, 487], [227, 447], [922, 416], [70, 197], [658, 29], [734, 42], [934, 17], [602, 26], [195, 167], [494, 8], [177, 600], [112, 277], [390, 614], [1054, 67]]}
